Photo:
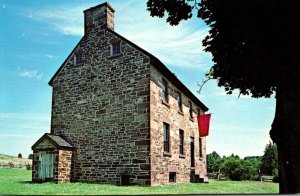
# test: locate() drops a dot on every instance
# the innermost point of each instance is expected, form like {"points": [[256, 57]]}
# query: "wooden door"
{"points": [[192, 152], [46, 165]]}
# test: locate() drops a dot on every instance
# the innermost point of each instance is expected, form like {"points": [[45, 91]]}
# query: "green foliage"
{"points": [[238, 169], [250, 169], [19, 155], [269, 161], [213, 162], [245, 46], [18, 182], [233, 168], [30, 156]]}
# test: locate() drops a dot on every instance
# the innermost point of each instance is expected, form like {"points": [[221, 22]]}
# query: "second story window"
{"points": [[165, 91], [181, 141], [200, 147], [166, 134], [191, 109], [179, 100], [198, 111], [116, 48], [78, 58]]}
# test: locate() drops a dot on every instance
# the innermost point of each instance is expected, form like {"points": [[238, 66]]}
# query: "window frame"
{"points": [[191, 109], [198, 111], [179, 101], [166, 137], [192, 148], [200, 148], [172, 177], [78, 58], [165, 91], [181, 142], [115, 48]]}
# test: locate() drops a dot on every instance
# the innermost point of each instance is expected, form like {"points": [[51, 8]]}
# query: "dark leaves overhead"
{"points": [[254, 43], [177, 10]]}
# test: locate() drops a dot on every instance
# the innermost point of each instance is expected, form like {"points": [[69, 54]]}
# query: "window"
{"points": [[166, 128], [198, 111], [191, 109], [78, 58], [172, 177], [125, 179], [200, 147], [181, 141], [116, 48], [179, 100], [165, 91]]}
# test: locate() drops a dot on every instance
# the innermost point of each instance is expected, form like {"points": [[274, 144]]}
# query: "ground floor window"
{"points": [[125, 179], [172, 177]]}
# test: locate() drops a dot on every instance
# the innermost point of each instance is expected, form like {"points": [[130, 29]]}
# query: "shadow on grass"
{"points": [[26, 182]]}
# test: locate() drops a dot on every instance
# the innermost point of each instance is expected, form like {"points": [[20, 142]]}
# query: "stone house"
{"points": [[119, 115]]}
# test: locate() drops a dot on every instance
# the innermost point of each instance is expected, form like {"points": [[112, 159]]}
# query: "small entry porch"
{"points": [[52, 159]]}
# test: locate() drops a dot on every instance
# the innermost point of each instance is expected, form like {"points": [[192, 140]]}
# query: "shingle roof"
{"points": [[58, 141]]}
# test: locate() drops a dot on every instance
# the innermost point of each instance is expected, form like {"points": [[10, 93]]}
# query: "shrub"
{"points": [[236, 169], [232, 167]]}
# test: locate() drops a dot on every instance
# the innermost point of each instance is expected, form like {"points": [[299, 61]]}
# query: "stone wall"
{"points": [[64, 166], [101, 107], [163, 163]]}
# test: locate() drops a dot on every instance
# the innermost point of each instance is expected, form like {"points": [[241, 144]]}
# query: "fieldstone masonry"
{"points": [[108, 107], [161, 163]]}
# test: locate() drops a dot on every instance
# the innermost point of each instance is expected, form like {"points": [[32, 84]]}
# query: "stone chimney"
{"points": [[98, 18]]}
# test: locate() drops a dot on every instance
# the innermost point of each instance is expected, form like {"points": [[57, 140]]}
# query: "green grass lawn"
{"points": [[18, 181]]}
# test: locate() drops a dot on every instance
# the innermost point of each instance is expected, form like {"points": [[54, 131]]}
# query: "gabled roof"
{"points": [[55, 139], [155, 62]]}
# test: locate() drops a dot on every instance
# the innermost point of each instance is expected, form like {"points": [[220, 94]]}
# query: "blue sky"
{"points": [[36, 36]]}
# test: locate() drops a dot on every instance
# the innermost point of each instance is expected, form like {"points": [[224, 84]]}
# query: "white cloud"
{"points": [[25, 116], [30, 74], [66, 20], [5, 135], [49, 56]]}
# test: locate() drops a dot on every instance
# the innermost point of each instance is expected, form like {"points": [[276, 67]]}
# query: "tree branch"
{"points": [[203, 82]]}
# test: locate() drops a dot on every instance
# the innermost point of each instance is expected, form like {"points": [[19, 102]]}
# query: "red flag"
{"points": [[203, 124]]}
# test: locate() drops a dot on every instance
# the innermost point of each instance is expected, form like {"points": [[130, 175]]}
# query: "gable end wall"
{"points": [[101, 107]]}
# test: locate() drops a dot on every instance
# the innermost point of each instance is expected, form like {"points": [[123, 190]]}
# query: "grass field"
{"points": [[18, 181]]}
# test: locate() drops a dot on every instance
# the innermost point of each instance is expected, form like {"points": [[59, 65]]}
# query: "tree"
{"points": [[255, 46], [213, 162], [30, 156], [251, 168], [232, 167], [269, 161], [19, 155]]}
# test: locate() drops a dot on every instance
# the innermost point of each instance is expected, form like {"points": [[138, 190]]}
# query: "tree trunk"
{"points": [[285, 133]]}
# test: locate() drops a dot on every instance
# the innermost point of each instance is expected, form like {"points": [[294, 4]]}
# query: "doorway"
{"points": [[46, 165], [192, 152]]}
